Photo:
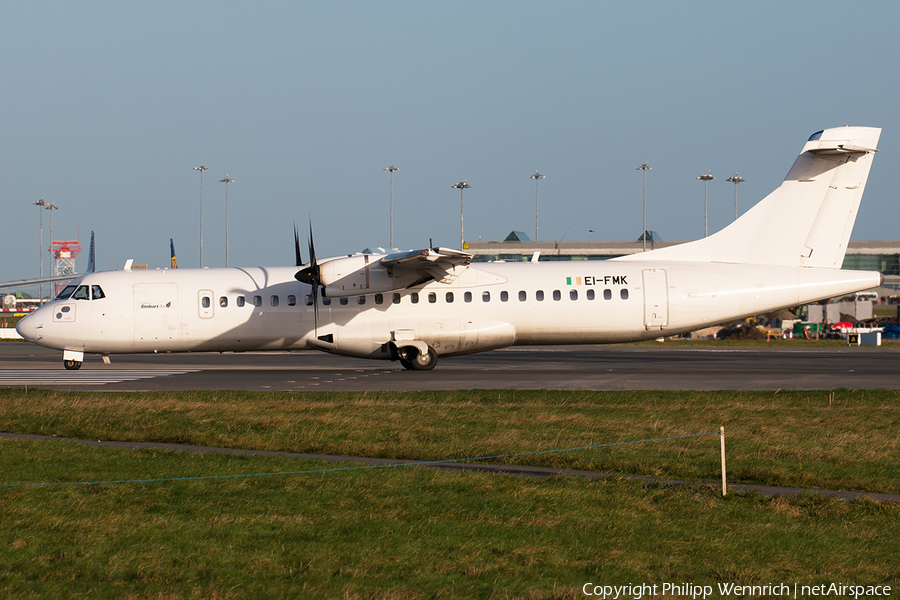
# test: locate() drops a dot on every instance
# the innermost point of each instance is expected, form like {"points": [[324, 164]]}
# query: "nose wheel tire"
{"points": [[72, 365]]}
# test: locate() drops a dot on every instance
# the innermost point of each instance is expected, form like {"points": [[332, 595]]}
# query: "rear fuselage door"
{"points": [[656, 299]]}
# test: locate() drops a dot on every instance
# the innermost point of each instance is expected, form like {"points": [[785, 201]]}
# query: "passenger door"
{"points": [[155, 311]]}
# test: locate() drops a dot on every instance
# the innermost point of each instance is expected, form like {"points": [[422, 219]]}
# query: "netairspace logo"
{"points": [[723, 590]]}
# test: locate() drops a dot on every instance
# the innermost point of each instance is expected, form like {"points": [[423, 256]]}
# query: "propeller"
{"points": [[310, 274]]}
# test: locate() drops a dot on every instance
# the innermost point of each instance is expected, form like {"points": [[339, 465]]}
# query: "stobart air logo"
{"points": [[592, 280]]}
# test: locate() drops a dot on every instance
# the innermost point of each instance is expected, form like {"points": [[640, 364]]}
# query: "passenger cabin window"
{"points": [[309, 300], [81, 293], [504, 296], [395, 298], [432, 297], [273, 300], [66, 293], [292, 300], [97, 293], [414, 298], [344, 301], [240, 301], [623, 294], [379, 298], [326, 301], [573, 294], [257, 300], [467, 296], [607, 294], [590, 294], [557, 295], [223, 301], [361, 300], [449, 297], [485, 296], [522, 296], [539, 295]]}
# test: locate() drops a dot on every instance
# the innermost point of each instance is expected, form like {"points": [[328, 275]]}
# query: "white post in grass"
{"points": [[722, 440]]}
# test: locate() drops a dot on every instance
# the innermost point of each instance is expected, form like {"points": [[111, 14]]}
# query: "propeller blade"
{"points": [[316, 310], [312, 247], [297, 255], [316, 274], [309, 275]]}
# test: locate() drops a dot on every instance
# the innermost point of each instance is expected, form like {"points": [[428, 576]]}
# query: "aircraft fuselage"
{"points": [[490, 305]]}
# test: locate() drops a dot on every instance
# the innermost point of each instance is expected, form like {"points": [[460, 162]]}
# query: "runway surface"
{"points": [[664, 367]]}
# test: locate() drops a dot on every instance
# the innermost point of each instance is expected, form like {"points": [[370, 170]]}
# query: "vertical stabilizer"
{"points": [[92, 265], [172, 250], [807, 221]]}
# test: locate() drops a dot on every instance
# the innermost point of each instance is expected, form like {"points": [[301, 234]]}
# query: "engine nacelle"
{"points": [[362, 274]]}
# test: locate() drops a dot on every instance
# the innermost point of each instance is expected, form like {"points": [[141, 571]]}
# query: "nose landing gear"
{"points": [[72, 359]]}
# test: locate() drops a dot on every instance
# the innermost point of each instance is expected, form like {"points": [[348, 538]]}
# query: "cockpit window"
{"points": [[67, 291], [81, 293], [97, 293]]}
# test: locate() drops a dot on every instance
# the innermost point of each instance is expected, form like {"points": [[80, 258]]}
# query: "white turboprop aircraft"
{"points": [[417, 306]]}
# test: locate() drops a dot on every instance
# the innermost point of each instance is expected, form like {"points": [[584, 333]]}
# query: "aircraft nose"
{"points": [[28, 328]]}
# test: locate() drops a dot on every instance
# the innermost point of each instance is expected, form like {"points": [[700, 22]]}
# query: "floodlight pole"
{"points": [[51, 207], [644, 168], [705, 178], [461, 186], [41, 204], [735, 180], [537, 183], [201, 168], [226, 181], [392, 168]]}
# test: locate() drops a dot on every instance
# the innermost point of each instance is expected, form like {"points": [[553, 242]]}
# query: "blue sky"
{"points": [[107, 107]]}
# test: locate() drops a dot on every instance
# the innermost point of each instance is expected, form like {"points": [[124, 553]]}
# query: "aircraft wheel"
{"points": [[425, 361], [72, 365], [406, 364]]}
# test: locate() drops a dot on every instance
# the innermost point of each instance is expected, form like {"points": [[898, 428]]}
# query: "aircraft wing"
{"points": [[428, 256], [432, 263], [370, 273], [5, 285]]}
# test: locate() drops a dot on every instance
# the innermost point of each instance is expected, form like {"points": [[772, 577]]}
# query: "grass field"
{"points": [[416, 533]]}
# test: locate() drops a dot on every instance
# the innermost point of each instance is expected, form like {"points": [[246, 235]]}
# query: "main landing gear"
{"points": [[414, 359], [72, 365]]}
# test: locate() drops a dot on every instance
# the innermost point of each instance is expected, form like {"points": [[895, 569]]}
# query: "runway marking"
{"points": [[41, 377]]}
